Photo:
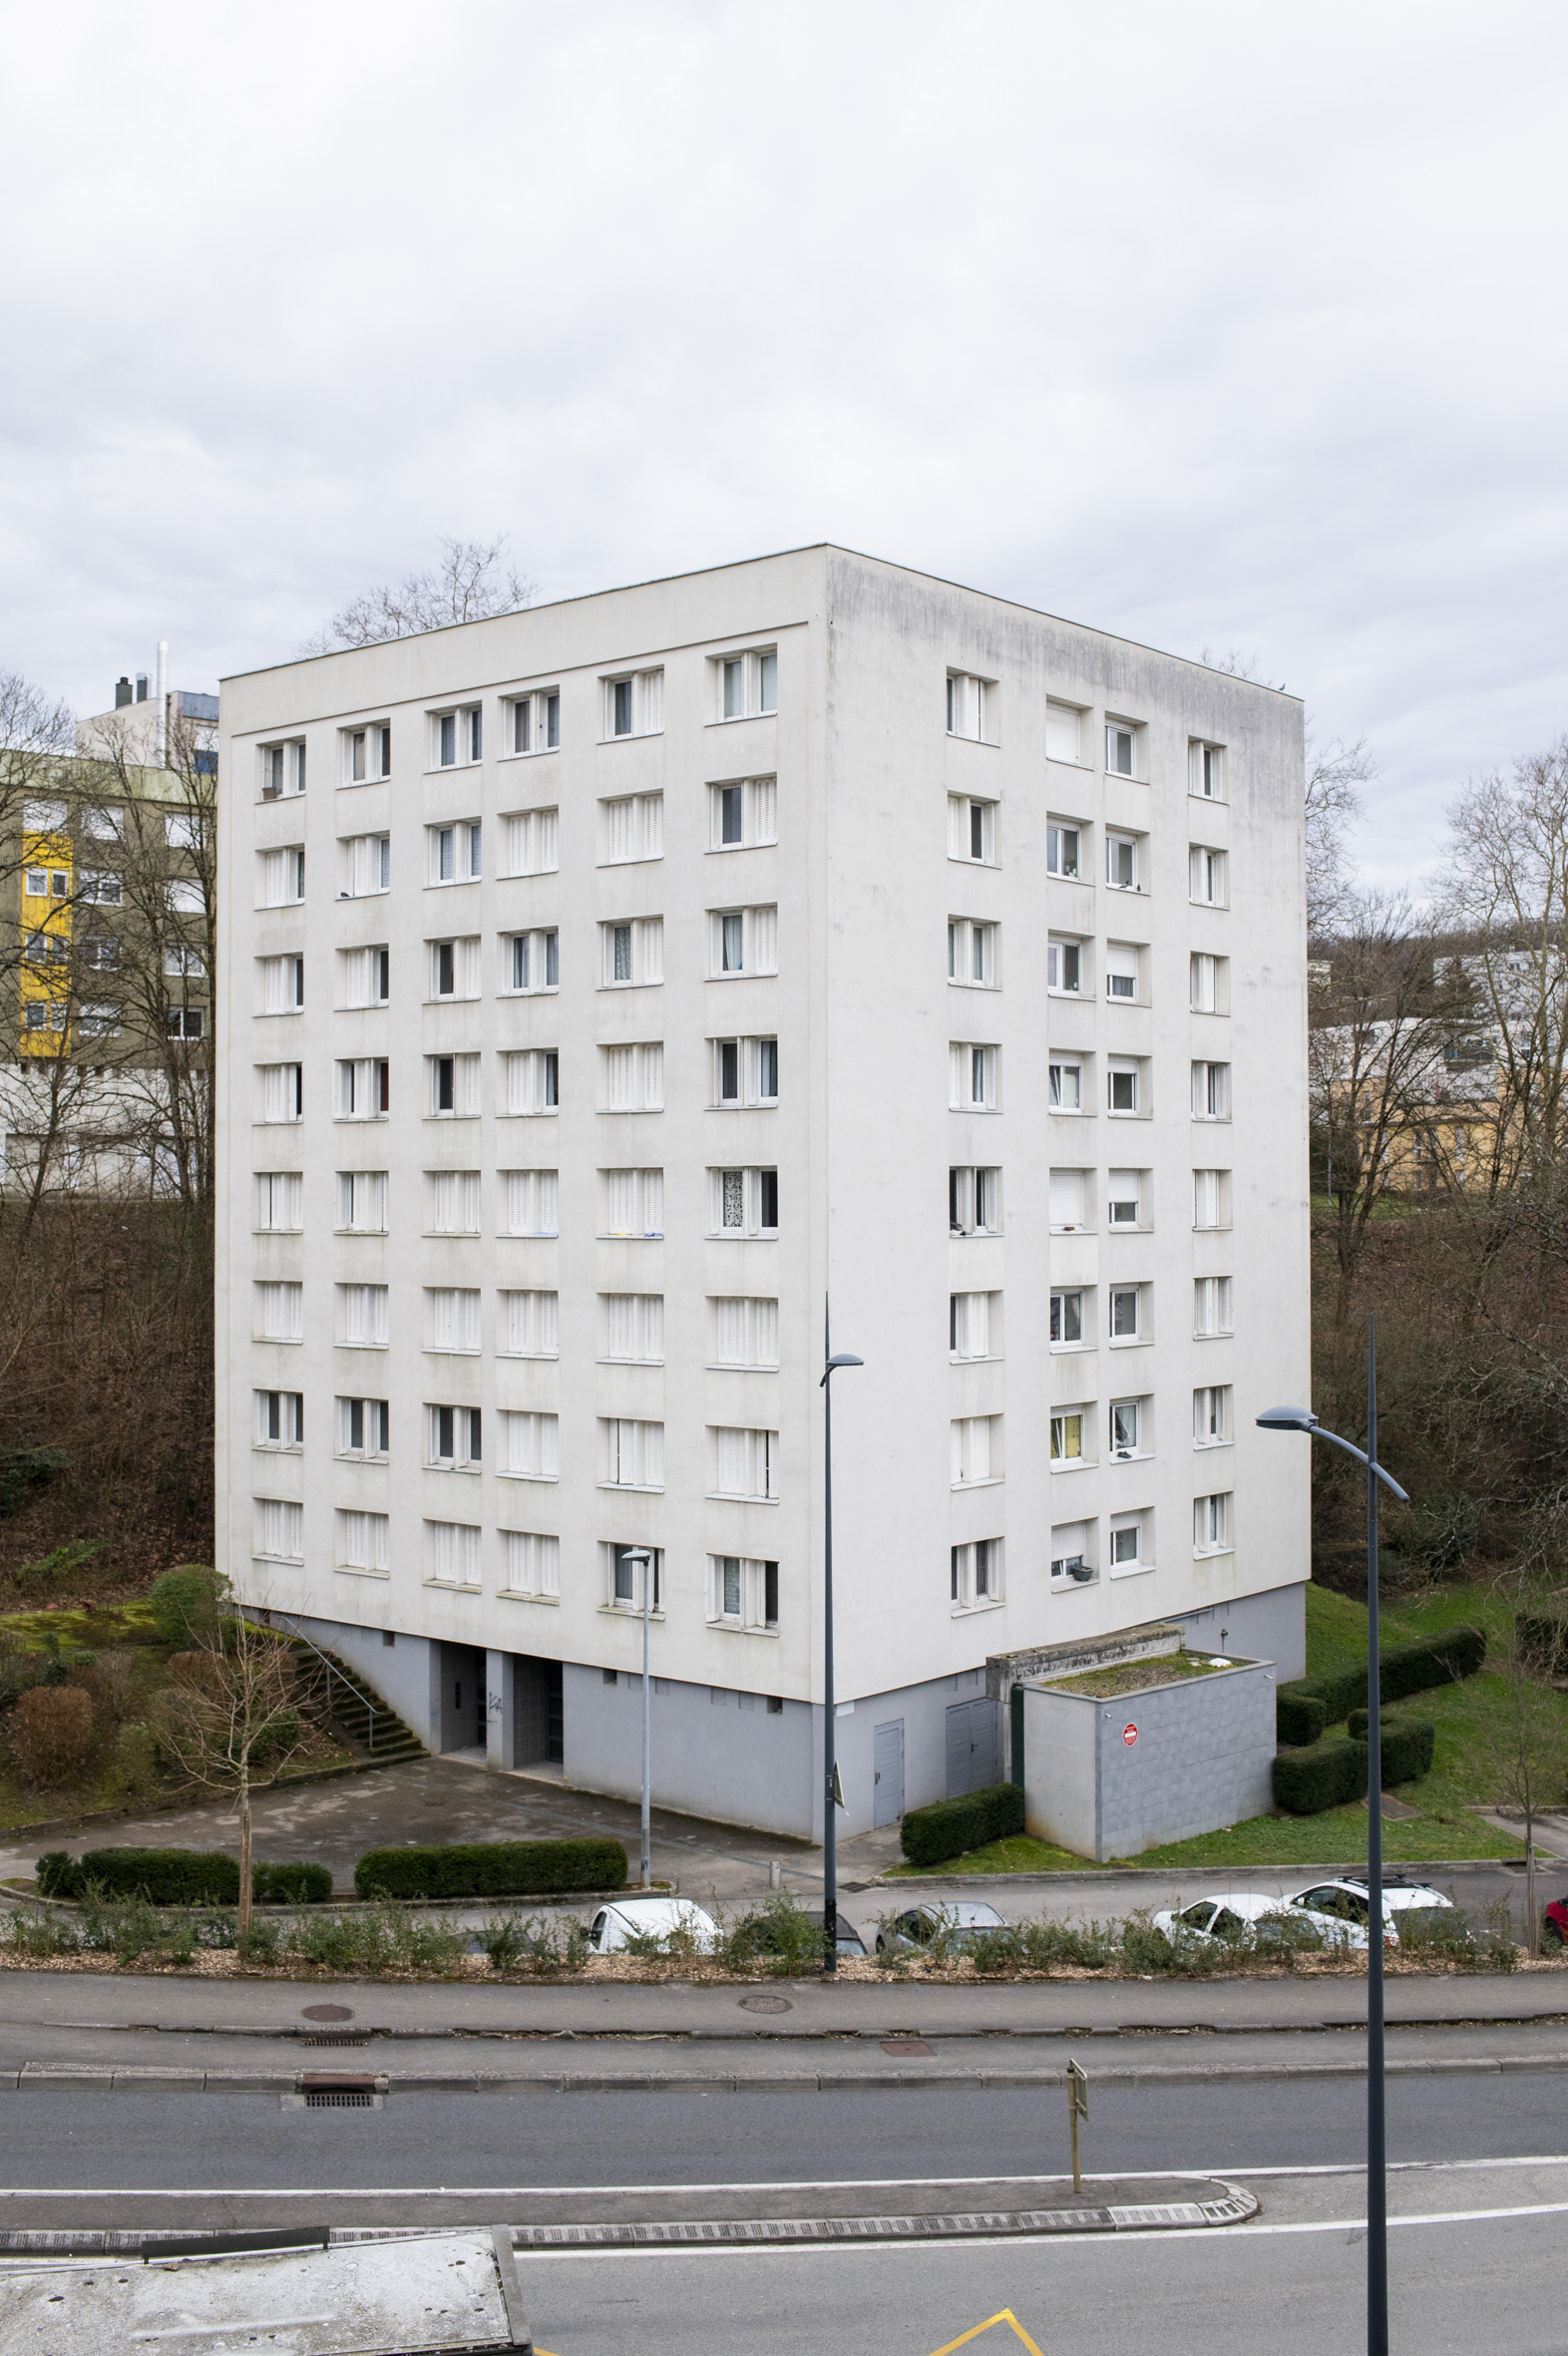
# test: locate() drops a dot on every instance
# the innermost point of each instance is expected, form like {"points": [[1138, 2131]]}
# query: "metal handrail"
{"points": [[332, 1670]]}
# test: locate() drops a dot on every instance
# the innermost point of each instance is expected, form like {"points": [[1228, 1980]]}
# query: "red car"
{"points": [[1556, 1926]]}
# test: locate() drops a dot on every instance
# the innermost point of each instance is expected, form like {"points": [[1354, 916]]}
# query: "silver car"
{"points": [[957, 1921]]}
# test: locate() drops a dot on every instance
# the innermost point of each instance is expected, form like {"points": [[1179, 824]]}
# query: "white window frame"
{"points": [[533, 723], [456, 738], [367, 750], [361, 1542], [631, 1329], [1072, 1195], [630, 1453], [531, 1195], [281, 877], [277, 1310], [458, 961], [1210, 1192], [1208, 983], [749, 1198], [280, 984], [1211, 1412], [360, 1202], [743, 1331], [278, 1529], [280, 1086], [364, 975], [287, 1408], [631, 952], [977, 1576], [1206, 770], [530, 963], [1211, 1090], [532, 1083], [1213, 1519], [624, 1580], [971, 1446], [364, 866], [743, 1578], [632, 1077], [973, 1198], [1133, 1190], [1138, 1525], [1135, 1413], [452, 1202], [1064, 960], [642, 708], [280, 769], [973, 1076], [974, 1327], [743, 1462], [750, 932], [279, 1202], [1138, 1333], [973, 954], [1075, 1420], [1065, 727], [361, 1088], [745, 684], [528, 1446], [1128, 1068], [454, 853], [1072, 1543], [1066, 839], [453, 1321], [1119, 956], [1213, 1307], [464, 1456], [1125, 856], [972, 707], [1066, 1094], [969, 814], [1070, 1318], [528, 1323], [361, 1319], [531, 841], [454, 1555], [641, 1193], [630, 829], [1120, 735], [752, 802], [753, 1066], [530, 1565], [1207, 876]]}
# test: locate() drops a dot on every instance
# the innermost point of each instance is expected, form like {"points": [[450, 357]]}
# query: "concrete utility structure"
{"points": [[636, 971]]}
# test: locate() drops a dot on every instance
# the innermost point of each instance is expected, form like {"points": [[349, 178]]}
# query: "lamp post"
{"points": [[1303, 1419], [830, 1771], [640, 1555]]}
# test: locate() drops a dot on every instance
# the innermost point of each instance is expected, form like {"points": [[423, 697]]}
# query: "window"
{"points": [[1129, 1420], [279, 1529], [632, 951], [975, 1450], [280, 1419], [95, 887], [531, 1081], [530, 1447], [632, 1202], [1211, 1416], [1125, 1193], [1211, 1198], [454, 1554], [1210, 984], [1211, 1524], [745, 1071], [624, 1579], [1069, 1190], [1070, 1429], [282, 770], [362, 1317], [635, 704], [971, 707], [531, 843], [972, 830], [529, 963], [281, 983], [1070, 1554], [364, 1427], [973, 1324], [279, 1201], [1131, 1546], [530, 1565], [1063, 852], [454, 967], [1211, 1307], [457, 737], [281, 877], [451, 1202], [1211, 1092], [1064, 967], [1063, 733], [452, 1319], [361, 1202], [974, 1200], [452, 1088], [1125, 862], [1208, 877], [364, 977], [1121, 748], [744, 1463], [37, 1011], [1128, 1313], [43, 818], [181, 962], [742, 1330], [180, 1022], [364, 865], [971, 953], [529, 1201], [630, 828], [280, 1311], [455, 854], [1064, 1085], [1122, 973], [632, 1327], [630, 1453], [1066, 1319], [367, 753], [362, 1541], [743, 1592], [743, 941], [743, 813], [528, 1325], [184, 897], [632, 1078], [747, 683], [1125, 1088], [280, 1091], [361, 1088], [971, 1077], [1206, 771], [453, 1438], [535, 725], [48, 949], [183, 830], [744, 1202]]}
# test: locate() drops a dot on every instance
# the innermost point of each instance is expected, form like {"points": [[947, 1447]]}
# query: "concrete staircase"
{"points": [[352, 1708]]}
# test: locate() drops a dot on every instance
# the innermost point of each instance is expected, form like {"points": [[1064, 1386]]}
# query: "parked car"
{"points": [[1342, 1909], [1223, 1917], [850, 1941], [1555, 1928], [766, 1936], [961, 1920], [615, 1923]]}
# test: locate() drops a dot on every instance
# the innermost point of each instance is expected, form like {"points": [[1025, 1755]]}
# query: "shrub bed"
{"points": [[1403, 1669], [491, 1869], [1407, 1746], [1298, 1717], [948, 1828], [177, 1877], [1323, 1776]]}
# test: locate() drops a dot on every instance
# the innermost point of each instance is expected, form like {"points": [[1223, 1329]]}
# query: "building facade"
{"points": [[612, 985]]}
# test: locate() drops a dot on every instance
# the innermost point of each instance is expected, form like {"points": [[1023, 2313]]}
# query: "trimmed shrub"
{"points": [[58, 1874], [1543, 1642], [51, 1734], [1325, 1775], [184, 1603], [1407, 1746], [491, 1869], [164, 1877], [290, 1885], [1403, 1669], [948, 1828], [1299, 1716]]}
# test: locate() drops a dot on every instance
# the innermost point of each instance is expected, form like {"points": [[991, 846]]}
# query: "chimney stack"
{"points": [[141, 686], [121, 694]]}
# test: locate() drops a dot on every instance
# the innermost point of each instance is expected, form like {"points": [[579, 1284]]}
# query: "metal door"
{"points": [[887, 1763], [971, 1746]]}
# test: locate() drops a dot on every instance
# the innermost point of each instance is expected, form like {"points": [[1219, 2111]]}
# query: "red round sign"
{"points": [[1129, 1735]]}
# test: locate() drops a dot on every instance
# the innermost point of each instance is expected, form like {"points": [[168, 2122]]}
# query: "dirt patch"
{"points": [[1134, 1677]]}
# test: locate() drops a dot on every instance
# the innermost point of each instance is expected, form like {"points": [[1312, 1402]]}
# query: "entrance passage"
{"points": [[539, 1715], [463, 1698], [971, 1746]]}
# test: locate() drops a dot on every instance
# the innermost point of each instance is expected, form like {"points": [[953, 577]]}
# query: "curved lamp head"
{"points": [[635, 1554], [842, 1360], [1288, 1419]]}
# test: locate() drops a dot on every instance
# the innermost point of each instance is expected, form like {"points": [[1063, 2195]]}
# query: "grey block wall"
{"points": [[1266, 1627]]}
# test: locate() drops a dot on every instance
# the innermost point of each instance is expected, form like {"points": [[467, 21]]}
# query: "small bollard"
{"points": [[773, 1873], [1077, 2108]]}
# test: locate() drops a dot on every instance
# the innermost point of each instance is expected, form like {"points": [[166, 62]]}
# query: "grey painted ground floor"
{"points": [[732, 1756]]}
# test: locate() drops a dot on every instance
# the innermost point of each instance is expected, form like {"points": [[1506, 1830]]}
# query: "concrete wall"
{"points": [[1266, 1627]]}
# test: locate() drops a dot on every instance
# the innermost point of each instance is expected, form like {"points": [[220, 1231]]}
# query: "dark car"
{"points": [[1555, 1927]]}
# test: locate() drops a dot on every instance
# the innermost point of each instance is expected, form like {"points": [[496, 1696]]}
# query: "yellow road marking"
{"points": [[1006, 2316]]}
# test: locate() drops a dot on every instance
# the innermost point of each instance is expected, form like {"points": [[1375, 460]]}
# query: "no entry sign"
{"points": [[1129, 1735]]}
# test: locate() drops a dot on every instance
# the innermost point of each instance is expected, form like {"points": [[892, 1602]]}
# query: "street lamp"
{"points": [[830, 1771], [641, 1554], [1303, 1419]]}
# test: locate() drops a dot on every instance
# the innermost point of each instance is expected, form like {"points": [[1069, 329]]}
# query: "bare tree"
{"points": [[1524, 1740], [1335, 772], [473, 582]]}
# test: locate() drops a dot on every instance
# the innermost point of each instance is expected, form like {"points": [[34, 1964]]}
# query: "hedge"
{"points": [[177, 1877], [1323, 1776], [290, 1885], [1407, 1746], [1298, 1717], [950, 1827], [1543, 1640], [1403, 1669], [491, 1869]]}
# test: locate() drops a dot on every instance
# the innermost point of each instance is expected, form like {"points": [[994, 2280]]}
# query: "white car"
{"points": [[958, 1920], [1224, 1916], [617, 1923], [1342, 1909]]}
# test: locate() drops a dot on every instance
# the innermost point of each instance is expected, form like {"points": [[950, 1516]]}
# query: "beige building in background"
{"points": [[610, 984]]}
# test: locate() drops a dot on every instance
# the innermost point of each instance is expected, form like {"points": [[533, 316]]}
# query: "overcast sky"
{"points": [[1223, 326]]}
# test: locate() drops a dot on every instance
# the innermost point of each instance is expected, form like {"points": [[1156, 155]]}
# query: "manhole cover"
{"points": [[765, 2004], [326, 2012], [905, 2047]]}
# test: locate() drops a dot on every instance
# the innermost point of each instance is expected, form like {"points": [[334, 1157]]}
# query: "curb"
{"points": [[893, 1882]]}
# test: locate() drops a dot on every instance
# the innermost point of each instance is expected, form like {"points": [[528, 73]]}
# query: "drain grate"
{"points": [[336, 2037], [338, 2098]]}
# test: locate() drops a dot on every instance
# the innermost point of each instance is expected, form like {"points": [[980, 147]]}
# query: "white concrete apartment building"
{"points": [[607, 984]]}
